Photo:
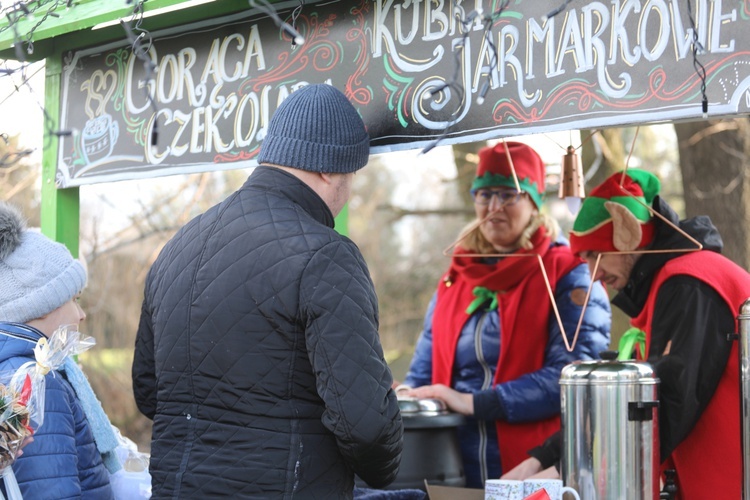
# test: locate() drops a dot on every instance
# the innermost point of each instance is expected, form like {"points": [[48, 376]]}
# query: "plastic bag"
{"points": [[49, 355], [133, 481]]}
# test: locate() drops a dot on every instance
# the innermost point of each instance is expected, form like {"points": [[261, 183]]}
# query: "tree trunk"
{"points": [[716, 181], [601, 155], [465, 156]]}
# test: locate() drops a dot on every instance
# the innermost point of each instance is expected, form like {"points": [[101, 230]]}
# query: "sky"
{"points": [[21, 104]]}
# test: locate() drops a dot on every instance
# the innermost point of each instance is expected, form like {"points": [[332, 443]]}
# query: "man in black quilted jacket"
{"points": [[257, 354]]}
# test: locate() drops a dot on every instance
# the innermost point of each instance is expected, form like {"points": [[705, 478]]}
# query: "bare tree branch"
{"points": [[716, 128], [119, 244], [400, 212]]}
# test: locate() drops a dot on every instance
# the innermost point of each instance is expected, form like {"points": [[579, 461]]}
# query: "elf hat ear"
{"points": [[626, 229]]}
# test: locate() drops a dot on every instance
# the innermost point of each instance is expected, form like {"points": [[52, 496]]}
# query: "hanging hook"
{"points": [[295, 14], [700, 70]]}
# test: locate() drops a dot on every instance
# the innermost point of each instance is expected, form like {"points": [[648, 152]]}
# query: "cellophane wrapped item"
{"points": [[22, 399], [49, 353], [15, 428], [14, 422]]}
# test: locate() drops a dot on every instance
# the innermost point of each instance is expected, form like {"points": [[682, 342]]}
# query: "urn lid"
{"points": [[427, 414], [428, 406], [608, 371]]}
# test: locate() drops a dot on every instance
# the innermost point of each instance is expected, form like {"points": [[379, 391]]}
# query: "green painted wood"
{"points": [[68, 29], [77, 21], [60, 207], [342, 221]]}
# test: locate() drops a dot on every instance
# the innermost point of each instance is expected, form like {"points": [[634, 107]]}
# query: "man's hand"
{"points": [[456, 401]]}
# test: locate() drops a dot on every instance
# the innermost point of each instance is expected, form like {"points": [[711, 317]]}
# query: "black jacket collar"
{"points": [[632, 298], [285, 184]]}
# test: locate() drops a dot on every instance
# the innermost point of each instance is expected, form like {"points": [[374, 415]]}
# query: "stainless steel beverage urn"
{"points": [[610, 429], [743, 321]]}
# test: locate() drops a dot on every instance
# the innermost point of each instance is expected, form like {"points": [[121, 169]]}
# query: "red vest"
{"points": [[708, 461], [525, 312]]}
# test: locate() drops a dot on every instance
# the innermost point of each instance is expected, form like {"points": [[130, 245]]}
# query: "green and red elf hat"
{"points": [[494, 169], [611, 219]]}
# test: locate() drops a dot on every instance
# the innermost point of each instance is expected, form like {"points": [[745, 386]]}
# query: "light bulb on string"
{"points": [[574, 204], [571, 176], [571, 181]]}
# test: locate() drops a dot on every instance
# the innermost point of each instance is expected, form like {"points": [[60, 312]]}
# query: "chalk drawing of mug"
{"points": [[100, 132], [99, 137]]}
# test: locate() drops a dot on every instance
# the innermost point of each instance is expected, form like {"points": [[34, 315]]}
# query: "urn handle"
{"points": [[640, 411]]}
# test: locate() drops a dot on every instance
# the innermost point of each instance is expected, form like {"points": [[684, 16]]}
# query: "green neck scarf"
{"points": [[628, 342], [482, 295]]}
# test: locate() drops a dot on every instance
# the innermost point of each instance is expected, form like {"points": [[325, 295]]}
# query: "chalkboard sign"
{"points": [[415, 70]]}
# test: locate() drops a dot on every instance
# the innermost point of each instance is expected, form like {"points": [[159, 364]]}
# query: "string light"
{"points": [[31, 10], [295, 14], [17, 41], [556, 11], [14, 14], [25, 79], [455, 83], [20, 10], [141, 50], [290, 30], [24, 8], [699, 69], [10, 158]]}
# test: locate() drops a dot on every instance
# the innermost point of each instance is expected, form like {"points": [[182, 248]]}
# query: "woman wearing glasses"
{"points": [[491, 347]]}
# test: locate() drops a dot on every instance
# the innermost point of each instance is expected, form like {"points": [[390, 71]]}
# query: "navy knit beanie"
{"points": [[317, 129]]}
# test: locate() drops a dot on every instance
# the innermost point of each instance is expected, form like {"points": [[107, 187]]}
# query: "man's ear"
{"points": [[326, 177]]}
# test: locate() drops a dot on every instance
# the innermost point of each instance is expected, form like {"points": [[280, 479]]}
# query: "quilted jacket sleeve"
{"points": [[536, 395], [144, 370], [339, 305]]}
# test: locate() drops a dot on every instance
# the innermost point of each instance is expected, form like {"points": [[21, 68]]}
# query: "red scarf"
{"points": [[525, 312], [707, 461]]}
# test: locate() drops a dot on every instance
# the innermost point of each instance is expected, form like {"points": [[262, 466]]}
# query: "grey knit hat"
{"points": [[316, 128], [37, 275]]}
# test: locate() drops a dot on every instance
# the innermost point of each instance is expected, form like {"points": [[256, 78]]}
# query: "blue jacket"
{"points": [[63, 461], [534, 396]]}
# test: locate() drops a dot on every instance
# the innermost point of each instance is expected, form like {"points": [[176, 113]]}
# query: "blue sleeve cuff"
{"points": [[487, 406]]}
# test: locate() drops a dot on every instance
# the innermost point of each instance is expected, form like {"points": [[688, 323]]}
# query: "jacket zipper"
{"points": [[486, 384]]}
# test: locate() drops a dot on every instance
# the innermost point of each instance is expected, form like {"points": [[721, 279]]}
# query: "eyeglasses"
{"points": [[506, 197]]}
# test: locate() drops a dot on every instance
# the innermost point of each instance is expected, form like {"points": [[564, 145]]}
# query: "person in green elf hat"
{"points": [[682, 302], [491, 347]]}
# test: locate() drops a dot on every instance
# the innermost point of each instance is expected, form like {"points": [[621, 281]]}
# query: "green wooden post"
{"points": [[60, 207], [342, 221]]}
